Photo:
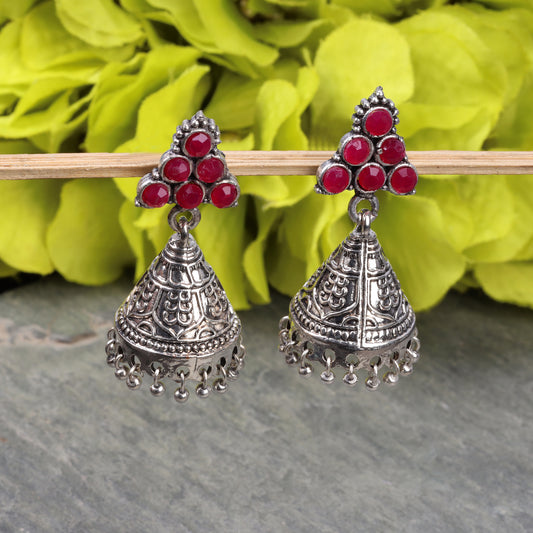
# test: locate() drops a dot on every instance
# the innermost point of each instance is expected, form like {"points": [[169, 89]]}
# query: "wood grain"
{"points": [[249, 163]]}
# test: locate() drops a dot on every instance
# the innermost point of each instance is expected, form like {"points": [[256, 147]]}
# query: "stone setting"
{"points": [[371, 177], [155, 195], [378, 122], [336, 179], [357, 151], [403, 179]]}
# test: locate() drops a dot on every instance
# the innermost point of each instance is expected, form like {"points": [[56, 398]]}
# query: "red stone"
{"points": [[198, 144], [155, 195], [371, 177], [210, 169], [378, 122], [357, 150], [224, 195], [403, 179], [391, 151], [177, 169], [189, 195], [335, 179]]}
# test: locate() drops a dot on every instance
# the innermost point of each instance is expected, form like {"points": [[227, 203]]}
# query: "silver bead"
{"points": [[391, 378], [406, 368], [181, 395], [372, 382], [305, 370], [121, 373], [202, 391], [327, 377], [220, 386], [350, 379], [157, 389], [291, 359], [134, 382]]}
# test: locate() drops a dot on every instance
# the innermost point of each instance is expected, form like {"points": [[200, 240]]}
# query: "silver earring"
{"points": [[352, 314], [177, 323]]}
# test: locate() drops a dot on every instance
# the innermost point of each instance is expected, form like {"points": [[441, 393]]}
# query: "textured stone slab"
{"points": [[448, 449]]}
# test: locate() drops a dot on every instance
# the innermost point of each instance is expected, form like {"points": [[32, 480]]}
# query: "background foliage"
{"points": [[119, 76]]}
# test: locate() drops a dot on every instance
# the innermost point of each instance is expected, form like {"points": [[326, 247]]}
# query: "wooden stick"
{"points": [[249, 163]]}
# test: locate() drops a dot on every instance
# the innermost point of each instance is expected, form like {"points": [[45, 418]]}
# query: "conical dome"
{"points": [[353, 312], [178, 315], [354, 299]]}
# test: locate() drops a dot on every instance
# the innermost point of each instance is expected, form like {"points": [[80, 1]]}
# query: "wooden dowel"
{"points": [[249, 163]]}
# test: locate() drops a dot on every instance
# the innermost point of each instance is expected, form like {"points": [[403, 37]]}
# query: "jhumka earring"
{"points": [[352, 313], [177, 322]]}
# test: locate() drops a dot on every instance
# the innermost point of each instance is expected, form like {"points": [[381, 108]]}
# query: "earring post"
{"points": [[250, 163]]}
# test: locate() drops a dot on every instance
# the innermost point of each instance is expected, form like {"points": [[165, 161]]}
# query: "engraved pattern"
{"points": [[354, 298], [178, 305]]}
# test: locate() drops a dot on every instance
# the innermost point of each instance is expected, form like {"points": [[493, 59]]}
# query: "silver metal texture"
{"points": [[177, 323], [352, 314]]}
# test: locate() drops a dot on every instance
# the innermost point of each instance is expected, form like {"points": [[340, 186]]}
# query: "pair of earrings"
{"points": [[177, 322]]}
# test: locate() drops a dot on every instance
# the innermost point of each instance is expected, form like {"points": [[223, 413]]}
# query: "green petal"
{"points": [[142, 249], [221, 235], [516, 214], [414, 238], [171, 104], [474, 214], [232, 105], [14, 10], [507, 282], [286, 33], [276, 101], [99, 22], [453, 66], [45, 43], [383, 58], [118, 97], [254, 260], [217, 27], [85, 240], [27, 209]]}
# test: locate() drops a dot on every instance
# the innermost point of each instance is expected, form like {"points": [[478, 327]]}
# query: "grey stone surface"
{"points": [[449, 449]]}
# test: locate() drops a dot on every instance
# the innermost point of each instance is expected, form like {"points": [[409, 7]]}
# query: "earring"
{"points": [[177, 323], [352, 313]]}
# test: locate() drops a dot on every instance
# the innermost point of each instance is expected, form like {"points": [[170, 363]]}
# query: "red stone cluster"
{"points": [[372, 156], [191, 172]]}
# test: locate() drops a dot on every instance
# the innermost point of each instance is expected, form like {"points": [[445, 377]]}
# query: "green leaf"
{"points": [[171, 104], [515, 214], [474, 214], [174, 102], [46, 44], [413, 235], [222, 235], [85, 240], [232, 105], [452, 66], [285, 33], [99, 22], [118, 98], [383, 58], [13, 10], [254, 259], [507, 282], [6, 271], [27, 209], [217, 27], [140, 245], [276, 101]]}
